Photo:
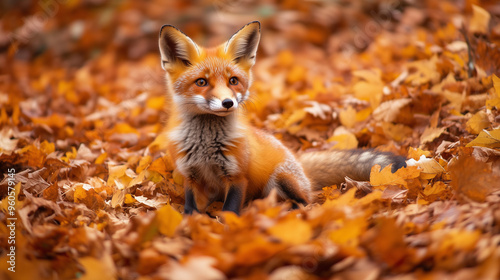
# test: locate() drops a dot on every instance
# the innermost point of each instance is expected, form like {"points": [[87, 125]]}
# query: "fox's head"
{"points": [[209, 81]]}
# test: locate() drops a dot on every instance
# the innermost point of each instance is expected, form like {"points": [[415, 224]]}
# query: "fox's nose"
{"points": [[227, 103]]}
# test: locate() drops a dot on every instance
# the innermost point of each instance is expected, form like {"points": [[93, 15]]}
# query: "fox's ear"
{"points": [[175, 47], [242, 46]]}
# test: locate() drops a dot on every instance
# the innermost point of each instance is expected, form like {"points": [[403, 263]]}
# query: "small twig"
{"points": [[470, 64]]}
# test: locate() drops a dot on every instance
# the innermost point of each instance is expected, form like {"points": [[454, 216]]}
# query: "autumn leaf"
{"points": [[478, 122], [7, 144], [168, 219], [87, 195], [98, 269], [385, 241], [495, 101], [347, 236], [429, 167], [479, 21], [473, 178], [488, 139], [97, 195], [291, 231], [384, 177]]}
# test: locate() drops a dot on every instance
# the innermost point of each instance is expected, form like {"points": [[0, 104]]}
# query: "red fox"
{"points": [[219, 154]]}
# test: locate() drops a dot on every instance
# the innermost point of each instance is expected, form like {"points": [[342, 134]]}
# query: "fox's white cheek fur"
{"points": [[178, 99], [198, 99], [242, 97]]}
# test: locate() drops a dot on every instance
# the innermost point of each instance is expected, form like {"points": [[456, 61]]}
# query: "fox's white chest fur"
{"points": [[205, 140]]}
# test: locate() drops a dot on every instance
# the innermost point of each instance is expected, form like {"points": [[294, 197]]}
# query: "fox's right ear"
{"points": [[176, 47]]}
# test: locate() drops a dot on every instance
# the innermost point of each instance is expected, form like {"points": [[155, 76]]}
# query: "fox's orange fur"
{"points": [[221, 156]]}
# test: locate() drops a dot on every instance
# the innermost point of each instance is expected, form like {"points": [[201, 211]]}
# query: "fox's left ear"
{"points": [[242, 46]]}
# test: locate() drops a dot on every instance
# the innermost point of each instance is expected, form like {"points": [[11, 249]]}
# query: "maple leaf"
{"points": [[384, 177]]}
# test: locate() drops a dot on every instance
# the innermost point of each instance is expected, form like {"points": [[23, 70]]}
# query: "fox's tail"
{"points": [[328, 168]]}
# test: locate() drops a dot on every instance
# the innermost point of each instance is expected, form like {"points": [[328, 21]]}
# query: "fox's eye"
{"points": [[233, 81], [201, 82]]}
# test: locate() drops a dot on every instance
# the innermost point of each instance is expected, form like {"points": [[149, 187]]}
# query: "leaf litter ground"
{"points": [[82, 103]]}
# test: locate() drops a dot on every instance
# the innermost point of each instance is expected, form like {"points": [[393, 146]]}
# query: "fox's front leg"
{"points": [[190, 203], [235, 196]]}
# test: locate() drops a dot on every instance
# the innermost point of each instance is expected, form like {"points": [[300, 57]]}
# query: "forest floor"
{"points": [[85, 194]]}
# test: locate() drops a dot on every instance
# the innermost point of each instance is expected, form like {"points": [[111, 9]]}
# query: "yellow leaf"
{"points": [[345, 199], [47, 147], [296, 116], [138, 179], [344, 141], [426, 71], [153, 176], [98, 269], [488, 139], [168, 220], [101, 158], [429, 167], [456, 99], [363, 114], [349, 233], [115, 172], [416, 153], [129, 199], [348, 117], [459, 239], [397, 132], [70, 155], [478, 122], [118, 198], [384, 177], [480, 20], [293, 231], [435, 189], [495, 101], [431, 133], [143, 163], [371, 92]]}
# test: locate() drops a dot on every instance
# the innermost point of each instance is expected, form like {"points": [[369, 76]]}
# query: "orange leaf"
{"points": [[292, 231], [479, 21], [386, 177], [89, 197]]}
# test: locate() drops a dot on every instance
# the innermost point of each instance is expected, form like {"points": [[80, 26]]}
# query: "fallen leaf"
{"points": [[479, 21]]}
